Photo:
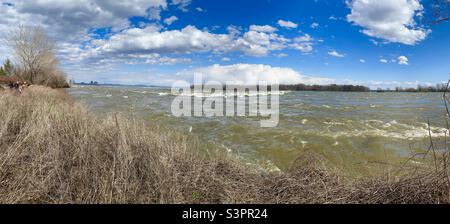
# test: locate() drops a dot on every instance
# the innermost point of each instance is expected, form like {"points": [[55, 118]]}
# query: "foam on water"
{"points": [[405, 134], [225, 94]]}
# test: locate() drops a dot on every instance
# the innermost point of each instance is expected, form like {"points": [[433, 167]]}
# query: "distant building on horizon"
{"points": [[91, 83]]}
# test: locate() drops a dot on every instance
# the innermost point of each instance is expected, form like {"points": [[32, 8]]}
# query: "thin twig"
{"points": [[432, 146], [446, 99]]}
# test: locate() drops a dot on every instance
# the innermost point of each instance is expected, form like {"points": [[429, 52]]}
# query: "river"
{"points": [[356, 131]]}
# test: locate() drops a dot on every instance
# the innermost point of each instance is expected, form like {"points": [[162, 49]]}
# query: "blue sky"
{"points": [[379, 43]]}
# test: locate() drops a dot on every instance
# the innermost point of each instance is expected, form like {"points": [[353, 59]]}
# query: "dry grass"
{"points": [[53, 151]]}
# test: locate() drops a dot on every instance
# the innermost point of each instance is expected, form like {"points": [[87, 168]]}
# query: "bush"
{"points": [[52, 78]]}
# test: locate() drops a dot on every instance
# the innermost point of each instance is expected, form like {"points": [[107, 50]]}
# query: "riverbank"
{"points": [[53, 150]]}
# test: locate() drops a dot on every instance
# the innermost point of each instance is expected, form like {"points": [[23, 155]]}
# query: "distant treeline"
{"points": [[331, 88], [346, 88], [420, 88], [303, 87]]}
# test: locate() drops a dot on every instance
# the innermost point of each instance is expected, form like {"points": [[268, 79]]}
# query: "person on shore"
{"points": [[16, 86], [19, 87]]}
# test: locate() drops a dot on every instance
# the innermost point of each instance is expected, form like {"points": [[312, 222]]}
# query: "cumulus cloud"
{"points": [[281, 55], [393, 21], [151, 40], [124, 46], [170, 20], [182, 4], [189, 40], [403, 60], [72, 21], [336, 54], [362, 60], [156, 59], [99, 33], [252, 74], [303, 43], [234, 30], [332, 17], [264, 29], [287, 24], [384, 61], [260, 44], [314, 25]]}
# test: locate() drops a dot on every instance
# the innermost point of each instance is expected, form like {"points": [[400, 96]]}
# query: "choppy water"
{"points": [[354, 130]]}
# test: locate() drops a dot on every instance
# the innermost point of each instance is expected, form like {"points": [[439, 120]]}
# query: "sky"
{"points": [[377, 43]]}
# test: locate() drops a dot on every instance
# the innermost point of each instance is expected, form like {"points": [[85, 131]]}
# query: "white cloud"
{"points": [[226, 59], [199, 9], [263, 29], [362, 60], [152, 39], [170, 20], [155, 59], [252, 74], [390, 20], [72, 21], [182, 4], [304, 38], [255, 43], [384, 61], [234, 30], [287, 24], [402, 60], [303, 43], [314, 25], [281, 55], [74, 25], [336, 54]]}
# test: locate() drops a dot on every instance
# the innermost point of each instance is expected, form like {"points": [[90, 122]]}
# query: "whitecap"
{"points": [[408, 134], [225, 94]]}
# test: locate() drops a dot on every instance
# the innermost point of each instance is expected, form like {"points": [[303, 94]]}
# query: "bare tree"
{"points": [[33, 50]]}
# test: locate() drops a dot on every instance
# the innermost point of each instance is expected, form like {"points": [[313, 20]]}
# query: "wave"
{"points": [[415, 133], [377, 128], [238, 94]]}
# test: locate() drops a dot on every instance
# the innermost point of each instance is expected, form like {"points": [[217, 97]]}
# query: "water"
{"points": [[356, 131]]}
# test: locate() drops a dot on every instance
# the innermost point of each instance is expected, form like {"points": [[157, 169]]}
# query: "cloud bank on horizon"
{"points": [[160, 41]]}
